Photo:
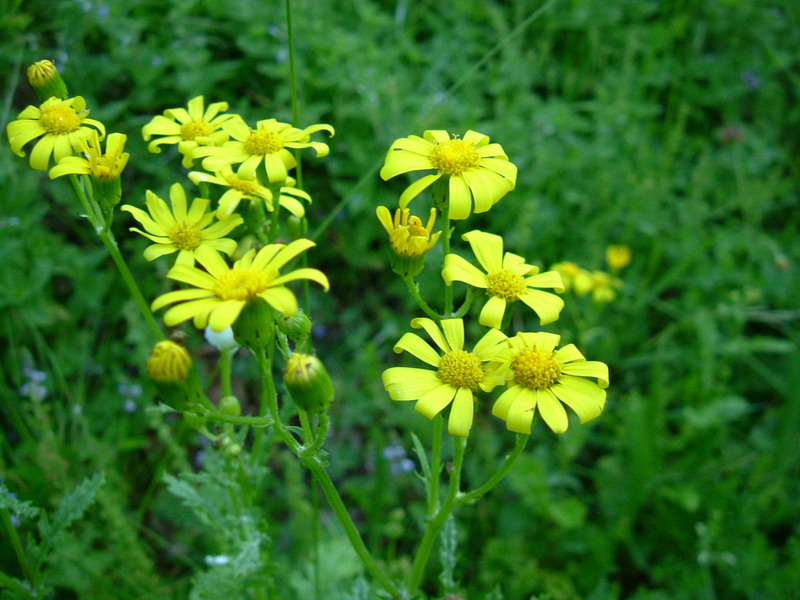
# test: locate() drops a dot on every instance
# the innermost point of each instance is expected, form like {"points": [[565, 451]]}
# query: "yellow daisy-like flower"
{"points": [[102, 166], [62, 125], [221, 293], [575, 278], [542, 378], [189, 127], [458, 373], [181, 230], [242, 188], [407, 235], [507, 279], [479, 173], [269, 143]]}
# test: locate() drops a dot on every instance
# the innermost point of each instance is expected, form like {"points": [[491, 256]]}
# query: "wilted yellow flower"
{"points": [[268, 143], [507, 278], [103, 166], [181, 230], [62, 125], [220, 294], [188, 127], [618, 256], [459, 373], [479, 174], [541, 378], [169, 363]]}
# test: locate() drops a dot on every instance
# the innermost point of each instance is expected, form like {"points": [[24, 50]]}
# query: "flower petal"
{"points": [[586, 398], [410, 384], [503, 404], [488, 249], [546, 305], [179, 296], [460, 198], [183, 312], [305, 273], [569, 353], [192, 276], [548, 279], [454, 333], [401, 161], [432, 403], [492, 312], [552, 411], [521, 413], [416, 188], [589, 368], [461, 413], [416, 346], [457, 268], [225, 314], [433, 331]]}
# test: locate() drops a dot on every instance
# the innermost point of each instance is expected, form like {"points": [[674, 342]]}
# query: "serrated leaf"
{"points": [[74, 504], [18, 508]]}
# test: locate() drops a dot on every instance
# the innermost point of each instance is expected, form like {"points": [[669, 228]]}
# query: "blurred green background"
{"points": [[669, 126]]}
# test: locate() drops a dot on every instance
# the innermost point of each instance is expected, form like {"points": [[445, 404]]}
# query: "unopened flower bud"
{"points": [[297, 327], [46, 81], [229, 405], [168, 363], [308, 382], [255, 327]]}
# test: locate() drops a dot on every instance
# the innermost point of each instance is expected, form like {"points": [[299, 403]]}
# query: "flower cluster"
{"points": [[472, 175], [602, 286]]}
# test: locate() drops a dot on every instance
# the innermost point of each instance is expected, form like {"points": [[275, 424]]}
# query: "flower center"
{"points": [[536, 370], [242, 284], [263, 142], [506, 284], [195, 129], [243, 185], [461, 369], [60, 119], [186, 236], [416, 228], [454, 157]]}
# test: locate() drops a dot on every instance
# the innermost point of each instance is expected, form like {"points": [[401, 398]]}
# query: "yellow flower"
{"points": [[105, 167], [179, 230], [268, 143], [169, 362], [458, 373], [479, 173], [242, 188], [541, 378], [62, 125], [189, 127], [220, 294], [507, 279], [574, 277], [618, 256], [407, 235], [604, 287]]}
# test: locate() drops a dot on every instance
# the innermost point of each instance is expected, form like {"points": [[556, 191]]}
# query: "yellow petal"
{"points": [[521, 412], [503, 404], [304, 273], [457, 268], [546, 305], [461, 413], [281, 299], [454, 333], [460, 198], [433, 331], [416, 188], [492, 312], [416, 346], [225, 314], [569, 353], [586, 398], [590, 368], [552, 411], [488, 249], [432, 403], [548, 279], [183, 312], [396, 376]]}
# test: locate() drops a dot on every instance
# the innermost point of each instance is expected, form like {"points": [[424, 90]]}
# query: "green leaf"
{"points": [[75, 504], [21, 510]]}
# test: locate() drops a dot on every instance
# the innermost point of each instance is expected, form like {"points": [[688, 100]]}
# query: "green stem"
{"points": [[249, 421], [339, 509], [436, 524], [467, 303], [225, 364], [16, 544], [322, 433], [269, 404], [436, 465], [308, 432], [476, 494], [414, 291]]}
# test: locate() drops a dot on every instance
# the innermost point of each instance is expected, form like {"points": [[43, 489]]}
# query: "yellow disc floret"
{"points": [[262, 141], [39, 73], [461, 369], [454, 157], [60, 119], [242, 284], [505, 284], [186, 236], [169, 362], [195, 129], [535, 369]]}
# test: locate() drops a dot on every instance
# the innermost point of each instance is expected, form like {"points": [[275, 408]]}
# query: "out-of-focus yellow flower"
{"points": [[478, 173], [618, 256], [241, 188], [269, 143], [189, 127], [62, 126], [169, 363], [181, 230], [604, 287], [507, 278], [221, 293], [99, 165], [575, 279], [459, 373], [541, 378]]}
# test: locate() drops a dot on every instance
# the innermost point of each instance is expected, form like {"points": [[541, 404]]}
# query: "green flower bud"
{"points": [[255, 327], [229, 405], [308, 382], [194, 421], [46, 81], [297, 327]]}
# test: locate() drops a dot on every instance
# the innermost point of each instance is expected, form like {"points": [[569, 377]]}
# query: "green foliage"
{"points": [[667, 126]]}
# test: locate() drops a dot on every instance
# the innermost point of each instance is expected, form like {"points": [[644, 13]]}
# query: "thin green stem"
{"points": [[17, 545], [436, 465], [225, 364], [413, 289], [339, 509], [476, 494], [462, 310], [436, 524], [322, 433], [249, 421], [308, 432]]}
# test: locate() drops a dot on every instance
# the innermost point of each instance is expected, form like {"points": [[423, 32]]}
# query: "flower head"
{"points": [[221, 292], [188, 127], [168, 362], [458, 375], [407, 235], [99, 165], [507, 278], [269, 143], [618, 256], [542, 378], [62, 126], [181, 230], [244, 188], [604, 287], [479, 173], [574, 277]]}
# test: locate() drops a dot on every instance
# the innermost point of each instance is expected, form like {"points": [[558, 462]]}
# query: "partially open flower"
{"points": [[409, 239]]}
